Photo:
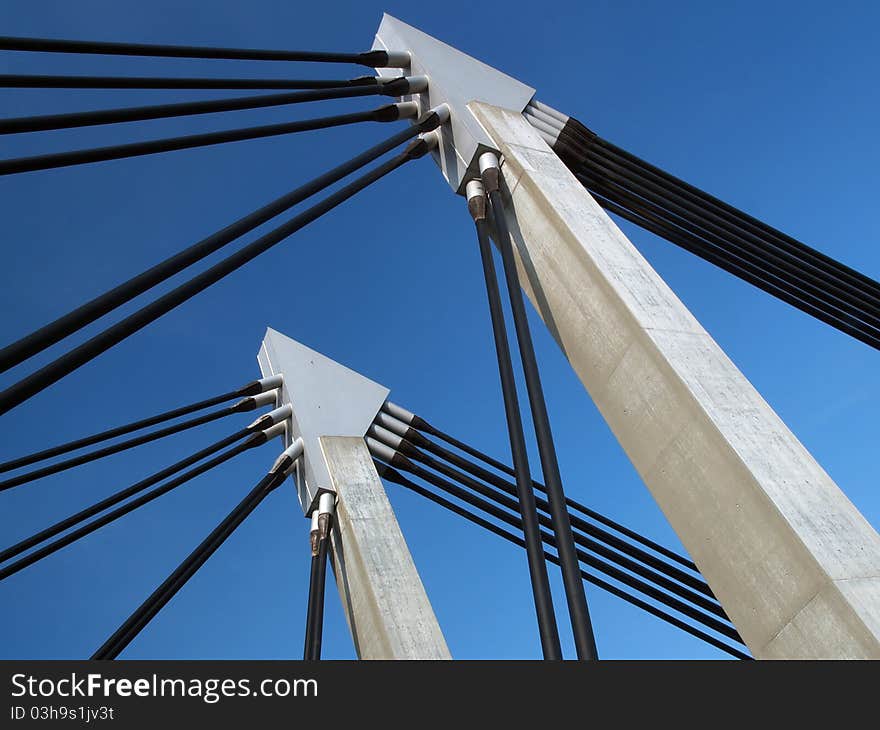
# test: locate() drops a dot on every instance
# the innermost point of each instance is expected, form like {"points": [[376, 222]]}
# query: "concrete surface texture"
{"points": [[384, 601]]}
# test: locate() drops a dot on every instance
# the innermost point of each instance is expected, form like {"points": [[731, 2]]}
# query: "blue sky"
{"points": [[770, 106]]}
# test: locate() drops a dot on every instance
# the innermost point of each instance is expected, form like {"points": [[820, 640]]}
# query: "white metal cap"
{"points": [[407, 109], [474, 189], [274, 431], [442, 111], [292, 452], [398, 412], [326, 502], [417, 84], [272, 417], [385, 436], [432, 139], [487, 161], [395, 425], [399, 59], [267, 398], [270, 382], [377, 448]]}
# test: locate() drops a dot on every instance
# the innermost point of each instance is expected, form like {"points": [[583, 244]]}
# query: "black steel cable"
{"points": [[310, 606], [120, 496], [803, 275], [712, 622], [166, 111], [372, 59], [393, 475], [123, 445], [672, 571], [125, 429], [671, 197], [582, 149], [132, 626], [584, 639], [317, 630], [421, 424], [707, 603], [705, 246], [31, 81], [67, 363], [540, 581], [715, 622], [791, 282], [738, 217], [49, 334], [65, 540], [388, 113], [812, 287], [696, 246]]}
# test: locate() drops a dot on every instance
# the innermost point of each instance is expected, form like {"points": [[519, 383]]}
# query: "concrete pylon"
{"points": [[385, 604], [792, 561]]}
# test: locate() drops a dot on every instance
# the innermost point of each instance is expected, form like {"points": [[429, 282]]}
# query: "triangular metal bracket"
{"points": [[454, 78], [327, 399]]}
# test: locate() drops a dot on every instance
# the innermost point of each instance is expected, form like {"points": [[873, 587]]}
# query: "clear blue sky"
{"points": [[771, 106]]}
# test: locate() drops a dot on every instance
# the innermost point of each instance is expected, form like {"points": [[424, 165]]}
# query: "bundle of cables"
{"points": [[667, 206]]}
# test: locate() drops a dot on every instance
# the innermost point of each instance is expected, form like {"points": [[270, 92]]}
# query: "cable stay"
{"points": [[540, 581], [242, 406], [319, 542], [755, 267], [314, 536], [254, 440], [371, 59], [578, 140], [263, 423], [646, 586], [387, 113], [32, 81], [418, 424], [690, 243], [741, 244], [394, 433], [395, 87], [700, 223], [584, 639], [403, 453], [392, 475], [67, 363], [253, 388], [37, 341], [132, 626]]}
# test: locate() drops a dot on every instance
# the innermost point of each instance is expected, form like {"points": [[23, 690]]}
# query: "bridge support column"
{"points": [[795, 565], [385, 603], [382, 595]]}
